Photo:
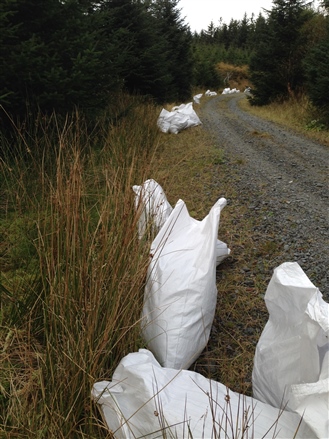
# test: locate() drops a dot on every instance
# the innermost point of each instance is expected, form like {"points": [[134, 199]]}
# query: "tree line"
{"points": [[286, 49], [58, 55]]}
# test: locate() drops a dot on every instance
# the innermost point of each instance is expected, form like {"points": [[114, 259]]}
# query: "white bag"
{"points": [[222, 252], [181, 293], [172, 122], [146, 400], [292, 359], [197, 98], [230, 91], [180, 118], [152, 206]]}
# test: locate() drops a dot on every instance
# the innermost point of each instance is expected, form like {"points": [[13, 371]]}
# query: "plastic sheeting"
{"points": [[291, 364], [145, 400], [181, 293], [178, 119], [153, 209]]}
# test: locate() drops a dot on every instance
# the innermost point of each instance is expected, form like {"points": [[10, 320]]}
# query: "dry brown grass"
{"points": [[238, 75], [67, 319], [296, 114]]}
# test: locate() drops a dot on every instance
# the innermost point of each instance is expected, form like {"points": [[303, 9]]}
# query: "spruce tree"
{"points": [[205, 57], [51, 58], [276, 67], [138, 47], [179, 60], [317, 79]]}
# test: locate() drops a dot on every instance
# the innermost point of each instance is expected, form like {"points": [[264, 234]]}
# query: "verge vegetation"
{"points": [[296, 113], [73, 269], [72, 266]]}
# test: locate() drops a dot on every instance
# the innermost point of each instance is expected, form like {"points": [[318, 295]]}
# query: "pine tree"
{"points": [[243, 32], [24, 49], [8, 32], [317, 79], [138, 47], [179, 61], [51, 58], [205, 57], [276, 67]]}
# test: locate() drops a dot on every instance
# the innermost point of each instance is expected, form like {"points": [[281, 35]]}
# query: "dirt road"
{"points": [[282, 176]]}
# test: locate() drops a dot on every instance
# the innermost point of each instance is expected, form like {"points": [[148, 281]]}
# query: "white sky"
{"points": [[199, 13]]}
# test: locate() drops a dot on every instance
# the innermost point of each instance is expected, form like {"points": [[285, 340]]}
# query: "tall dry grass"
{"points": [[234, 76], [71, 312], [73, 269]]}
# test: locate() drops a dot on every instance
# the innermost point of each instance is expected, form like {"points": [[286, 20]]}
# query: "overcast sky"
{"points": [[199, 13]]}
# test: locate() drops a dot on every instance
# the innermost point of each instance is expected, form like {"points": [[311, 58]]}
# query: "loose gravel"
{"points": [[283, 176]]}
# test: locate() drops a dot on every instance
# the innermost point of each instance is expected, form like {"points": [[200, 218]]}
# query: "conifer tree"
{"points": [[317, 79], [50, 58], [243, 32], [179, 61], [276, 67], [139, 49]]}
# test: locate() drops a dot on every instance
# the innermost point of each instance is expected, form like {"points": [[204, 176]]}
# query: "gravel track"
{"points": [[282, 176]]}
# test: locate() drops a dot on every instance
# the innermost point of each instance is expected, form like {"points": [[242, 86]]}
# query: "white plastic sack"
{"points": [[210, 93], [169, 122], [197, 98], [145, 400], [230, 91], [154, 209], [180, 118], [222, 251], [181, 293], [152, 206], [291, 364], [188, 111]]}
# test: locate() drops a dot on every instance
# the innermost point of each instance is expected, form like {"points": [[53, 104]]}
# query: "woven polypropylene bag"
{"points": [[292, 355], [180, 293], [146, 400]]}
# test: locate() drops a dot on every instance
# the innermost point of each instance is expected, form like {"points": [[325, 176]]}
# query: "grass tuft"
{"points": [[73, 317]]}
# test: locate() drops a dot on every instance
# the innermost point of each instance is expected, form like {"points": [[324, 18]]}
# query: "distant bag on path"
{"points": [[178, 119]]}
